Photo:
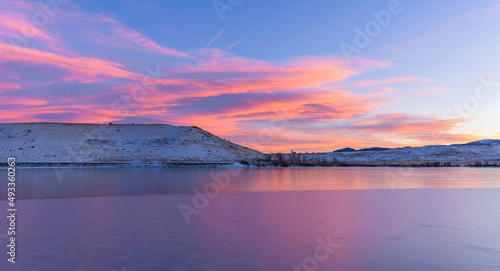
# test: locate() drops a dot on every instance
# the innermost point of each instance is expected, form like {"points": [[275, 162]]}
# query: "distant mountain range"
{"points": [[478, 153]]}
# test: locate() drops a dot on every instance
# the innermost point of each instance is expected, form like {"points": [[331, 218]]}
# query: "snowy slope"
{"points": [[482, 151], [128, 143]]}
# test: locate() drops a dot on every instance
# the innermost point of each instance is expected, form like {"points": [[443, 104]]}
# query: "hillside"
{"points": [[483, 152], [116, 143]]}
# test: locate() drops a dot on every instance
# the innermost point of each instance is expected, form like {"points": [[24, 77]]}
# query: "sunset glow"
{"points": [[269, 85]]}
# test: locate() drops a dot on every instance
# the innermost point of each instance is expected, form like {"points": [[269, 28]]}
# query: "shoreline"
{"points": [[233, 165], [121, 165]]}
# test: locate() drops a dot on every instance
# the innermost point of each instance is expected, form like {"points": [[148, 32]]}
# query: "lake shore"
{"points": [[237, 165]]}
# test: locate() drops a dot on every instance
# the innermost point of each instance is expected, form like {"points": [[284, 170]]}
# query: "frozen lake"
{"points": [[256, 219], [86, 182]]}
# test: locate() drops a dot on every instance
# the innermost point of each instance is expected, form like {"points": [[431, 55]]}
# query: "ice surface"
{"points": [[406, 229]]}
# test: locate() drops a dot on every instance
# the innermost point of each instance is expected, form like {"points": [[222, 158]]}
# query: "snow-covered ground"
{"points": [[126, 143], [483, 151]]}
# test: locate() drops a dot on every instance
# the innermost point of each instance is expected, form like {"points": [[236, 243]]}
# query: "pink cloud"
{"points": [[17, 29], [79, 69], [406, 123], [6, 86], [120, 33], [25, 101], [16, 25]]}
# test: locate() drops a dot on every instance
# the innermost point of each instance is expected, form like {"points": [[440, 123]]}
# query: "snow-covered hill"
{"points": [[122, 143]]}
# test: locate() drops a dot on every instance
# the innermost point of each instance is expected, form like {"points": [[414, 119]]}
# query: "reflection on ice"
{"points": [[406, 229], [84, 182]]}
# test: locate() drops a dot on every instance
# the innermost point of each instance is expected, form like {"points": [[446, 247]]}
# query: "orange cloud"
{"points": [[220, 73], [23, 101]]}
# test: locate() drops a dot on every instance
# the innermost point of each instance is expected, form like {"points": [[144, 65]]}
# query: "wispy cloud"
{"points": [[120, 33], [441, 29], [214, 38], [77, 69], [16, 28], [5, 86]]}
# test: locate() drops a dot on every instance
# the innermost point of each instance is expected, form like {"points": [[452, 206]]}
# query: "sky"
{"points": [[272, 75]]}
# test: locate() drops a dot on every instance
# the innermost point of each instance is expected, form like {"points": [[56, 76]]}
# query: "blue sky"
{"points": [[419, 80]]}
